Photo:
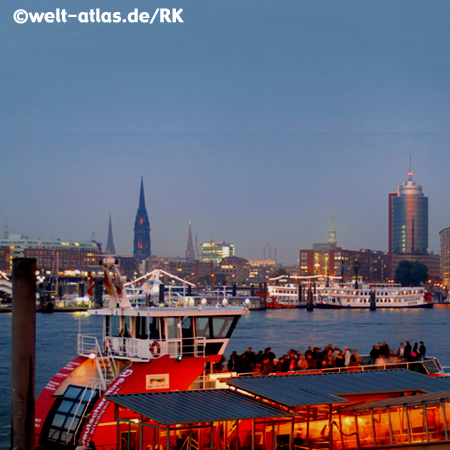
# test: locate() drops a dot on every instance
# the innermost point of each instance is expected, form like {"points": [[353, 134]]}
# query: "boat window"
{"points": [[186, 327], [202, 327], [141, 328], [222, 326], [172, 325], [154, 328], [73, 404]]}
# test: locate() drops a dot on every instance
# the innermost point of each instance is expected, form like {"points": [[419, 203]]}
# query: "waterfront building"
{"points": [[216, 251], [372, 265], [445, 257], [142, 247], [234, 270], [51, 255], [261, 270], [408, 223], [190, 253], [327, 259]]}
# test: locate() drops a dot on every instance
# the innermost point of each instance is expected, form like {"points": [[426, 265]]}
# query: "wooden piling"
{"points": [[23, 353]]}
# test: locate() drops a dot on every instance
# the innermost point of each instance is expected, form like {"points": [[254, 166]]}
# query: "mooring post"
{"points": [[23, 353]]}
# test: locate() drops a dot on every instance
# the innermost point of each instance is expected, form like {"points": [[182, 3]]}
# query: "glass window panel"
{"points": [[65, 406], [202, 328], [399, 425], [381, 425], [58, 421], [172, 327], [87, 395], [53, 434], [115, 326], [417, 423], [154, 328], [435, 421], [221, 326], [72, 392]]}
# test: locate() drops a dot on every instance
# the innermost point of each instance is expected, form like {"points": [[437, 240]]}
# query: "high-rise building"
{"points": [[216, 251], [110, 249], [190, 253], [445, 256], [142, 249], [408, 223]]}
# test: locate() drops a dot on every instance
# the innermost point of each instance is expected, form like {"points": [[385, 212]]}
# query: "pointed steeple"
{"points": [[142, 195], [142, 249], [332, 232], [190, 254], [110, 249]]}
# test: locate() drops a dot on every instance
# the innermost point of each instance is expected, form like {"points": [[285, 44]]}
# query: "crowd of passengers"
{"points": [[314, 358]]}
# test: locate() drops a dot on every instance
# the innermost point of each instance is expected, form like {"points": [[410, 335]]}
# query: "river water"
{"points": [[280, 329]]}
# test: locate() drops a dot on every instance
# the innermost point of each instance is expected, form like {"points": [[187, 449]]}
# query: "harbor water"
{"points": [[279, 329]]}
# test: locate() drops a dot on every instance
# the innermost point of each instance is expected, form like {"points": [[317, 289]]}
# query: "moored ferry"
{"points": [[372, 296], [143, 349], [283, 296]]}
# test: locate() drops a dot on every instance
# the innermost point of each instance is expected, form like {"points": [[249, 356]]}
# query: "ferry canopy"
{"points": [[412, 400], [176, 407], [325, 388]]}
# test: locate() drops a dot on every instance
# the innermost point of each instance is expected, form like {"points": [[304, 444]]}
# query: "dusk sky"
{"points": [[256, 120]]}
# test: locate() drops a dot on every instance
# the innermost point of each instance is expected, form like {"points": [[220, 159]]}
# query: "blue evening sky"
{"points": [[256, 120]]}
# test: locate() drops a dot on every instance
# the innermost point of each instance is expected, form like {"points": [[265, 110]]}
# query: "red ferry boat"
{"points": [[144, 349]]}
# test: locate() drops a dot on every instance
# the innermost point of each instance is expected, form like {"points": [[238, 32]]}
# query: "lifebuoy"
{"points": [[155, 349]]}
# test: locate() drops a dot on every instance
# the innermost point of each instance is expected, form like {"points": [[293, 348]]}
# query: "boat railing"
{"points": [[133, 349], [428, 366]]}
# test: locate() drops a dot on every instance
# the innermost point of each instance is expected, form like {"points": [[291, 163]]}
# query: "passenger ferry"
{"points": [[142, 388], [144, 349], [372, 296], [283, 296]]}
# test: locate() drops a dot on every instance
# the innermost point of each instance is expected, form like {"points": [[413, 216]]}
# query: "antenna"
{"points": [[410, 173]]}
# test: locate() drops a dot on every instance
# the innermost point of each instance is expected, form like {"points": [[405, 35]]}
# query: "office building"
{"points": [[216, 251], [445, 257], [408, 224], [51, 255]]}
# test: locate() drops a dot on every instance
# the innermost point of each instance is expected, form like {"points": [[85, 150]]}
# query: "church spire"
{"points": [[110, 249], [142, 249], [141, 195], [332, 232], [190, 254]]}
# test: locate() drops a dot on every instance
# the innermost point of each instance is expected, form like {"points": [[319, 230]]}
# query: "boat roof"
{"points": [[212, 405], [156, 311], [412, 400], [175, 407], [326, 388]]}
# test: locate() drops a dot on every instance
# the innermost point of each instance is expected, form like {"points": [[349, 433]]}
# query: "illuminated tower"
{"points": [[190, 253], [142, 229], [110, 249], [408, 221]]}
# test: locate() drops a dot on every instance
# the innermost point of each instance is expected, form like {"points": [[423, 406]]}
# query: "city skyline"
{"points": [[302, 219]]}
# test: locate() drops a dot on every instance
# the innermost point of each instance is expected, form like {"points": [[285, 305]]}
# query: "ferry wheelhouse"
{"points": [[143, 349], [372, 297]]}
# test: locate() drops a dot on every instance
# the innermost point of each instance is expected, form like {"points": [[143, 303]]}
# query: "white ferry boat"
{"points": [[372, 296], [283, 296]]}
